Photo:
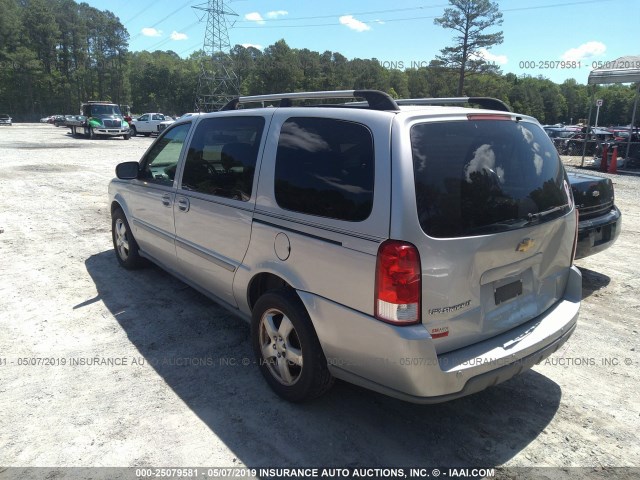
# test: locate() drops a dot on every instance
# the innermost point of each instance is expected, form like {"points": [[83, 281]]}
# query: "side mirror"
{"points": [[127, 170]]}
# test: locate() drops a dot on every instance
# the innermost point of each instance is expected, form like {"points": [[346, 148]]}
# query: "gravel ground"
{"points": [[176, 392]]}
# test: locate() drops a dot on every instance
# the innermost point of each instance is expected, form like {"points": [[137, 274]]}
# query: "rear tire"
{"points": [[286, 347], [132, 131], [124, 244]]}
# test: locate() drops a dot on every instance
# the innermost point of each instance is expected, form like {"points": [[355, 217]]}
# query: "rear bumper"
{"points": [[402, 361], [597, 234]]}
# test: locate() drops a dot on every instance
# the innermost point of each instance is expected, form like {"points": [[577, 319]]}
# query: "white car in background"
{"points": [[166, 123], [147, 123]]}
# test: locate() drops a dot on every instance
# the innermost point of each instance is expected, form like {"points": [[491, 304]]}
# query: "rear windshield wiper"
{"points": [[502, 225], [515, 223], [539, 215]]}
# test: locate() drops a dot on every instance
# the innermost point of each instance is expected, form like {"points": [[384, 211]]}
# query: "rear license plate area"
{"points": [[507, 292], [602, 235]]}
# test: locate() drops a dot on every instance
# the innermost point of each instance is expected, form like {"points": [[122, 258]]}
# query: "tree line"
{"points": [[55, 54]]}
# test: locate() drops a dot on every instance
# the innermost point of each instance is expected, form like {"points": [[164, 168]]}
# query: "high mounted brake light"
{"points": [[398, 288], [488, 116]]}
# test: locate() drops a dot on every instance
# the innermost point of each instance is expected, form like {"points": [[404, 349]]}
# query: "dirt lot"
{"points": [[178, 393]]}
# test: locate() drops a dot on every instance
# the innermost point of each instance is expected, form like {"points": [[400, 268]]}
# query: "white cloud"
{"points": [[586, 50], [151, 32], [178, 36], [486, 55], [254, 45], [254, 17], [354, 24], [380, 22], [277, 13]]}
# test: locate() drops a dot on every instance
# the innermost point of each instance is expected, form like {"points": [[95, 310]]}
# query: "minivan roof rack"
{"points": [[483, 102], [376, 99]]}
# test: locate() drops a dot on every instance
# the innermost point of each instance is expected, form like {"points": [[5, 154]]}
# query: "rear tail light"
{"points": [[575, 238], [398, 283]]}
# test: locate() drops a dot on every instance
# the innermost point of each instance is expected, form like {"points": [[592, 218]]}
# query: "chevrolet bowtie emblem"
{"points": [[525, 245]]}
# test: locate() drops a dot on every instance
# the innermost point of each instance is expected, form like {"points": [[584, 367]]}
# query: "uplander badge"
{"points": [[452, 308]]}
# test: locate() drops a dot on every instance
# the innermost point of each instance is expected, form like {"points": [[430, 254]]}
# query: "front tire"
{"points": [[287, 348], [124, 244], [132, 131]]}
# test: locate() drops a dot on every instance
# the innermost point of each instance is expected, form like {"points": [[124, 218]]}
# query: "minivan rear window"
{"points": [[477, 177]]}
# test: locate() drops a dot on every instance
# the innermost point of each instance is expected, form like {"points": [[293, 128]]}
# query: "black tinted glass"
{"points": [[485, 176], [222, 157], [325, 167]]}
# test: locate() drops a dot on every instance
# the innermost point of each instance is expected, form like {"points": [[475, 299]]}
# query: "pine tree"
{"points": [[470, 18]]}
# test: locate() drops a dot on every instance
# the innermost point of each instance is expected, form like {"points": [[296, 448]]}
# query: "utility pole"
{"points": [[218, 83]]}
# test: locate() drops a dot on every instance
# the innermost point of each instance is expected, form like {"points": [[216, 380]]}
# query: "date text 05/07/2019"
{"points": [[575, 64]]}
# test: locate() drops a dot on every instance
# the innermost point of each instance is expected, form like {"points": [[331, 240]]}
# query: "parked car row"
{"points": [[570, 139], [50, 119]]}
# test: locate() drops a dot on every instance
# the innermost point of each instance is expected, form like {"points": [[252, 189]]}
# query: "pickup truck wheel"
{"points": [[147, 134], [124, 244], [132, 131], [127, 136], [287, 348]]}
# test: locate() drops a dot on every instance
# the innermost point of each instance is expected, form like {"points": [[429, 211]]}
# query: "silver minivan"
{"points": [[412, 247]]}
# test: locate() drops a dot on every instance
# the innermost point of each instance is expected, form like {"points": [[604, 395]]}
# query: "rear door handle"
{"points": [[183, 204], [166, 200]]}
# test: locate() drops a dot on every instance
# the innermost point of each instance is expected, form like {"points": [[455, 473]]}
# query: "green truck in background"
{"points": [[98, 119]]}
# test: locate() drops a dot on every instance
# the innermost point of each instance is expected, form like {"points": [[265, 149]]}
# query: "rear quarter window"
{"points": [[478, 177], [325, 167]]}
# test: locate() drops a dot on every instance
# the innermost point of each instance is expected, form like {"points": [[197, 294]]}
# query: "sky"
{"points": [[538, 34]]}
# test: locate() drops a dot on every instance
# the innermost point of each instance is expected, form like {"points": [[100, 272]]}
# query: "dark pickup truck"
{"points": [[600, 221]]}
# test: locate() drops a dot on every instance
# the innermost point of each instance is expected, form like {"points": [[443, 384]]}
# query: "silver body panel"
{"points": [[220, 245]]}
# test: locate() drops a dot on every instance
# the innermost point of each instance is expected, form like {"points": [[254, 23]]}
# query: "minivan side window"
{"points": [[222, 157], [161, 162], [325, 167]]}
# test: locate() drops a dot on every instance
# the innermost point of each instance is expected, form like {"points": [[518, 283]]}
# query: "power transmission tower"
{"points": [[218, 83]]}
